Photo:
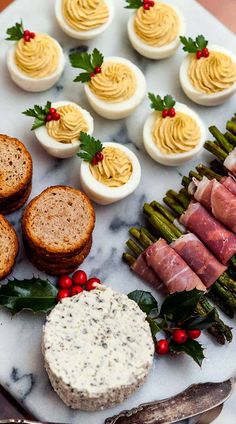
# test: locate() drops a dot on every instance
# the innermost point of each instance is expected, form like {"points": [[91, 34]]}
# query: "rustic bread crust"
{"points": [[9, 251], [19, 183], [38, 243], [7, 207]]}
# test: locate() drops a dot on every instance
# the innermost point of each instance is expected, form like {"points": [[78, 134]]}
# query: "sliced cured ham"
{"points": [[218, 200], [198, 257], [230, 183], [175, 274], [141, 268], [230, 162], [220, 241]]}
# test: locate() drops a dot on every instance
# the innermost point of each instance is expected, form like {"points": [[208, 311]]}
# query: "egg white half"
{"points": [[56, 148], [34, 84], [82, 35], [173, 159], [102, 194], [201, 98], [123, 109], [156, 52]]}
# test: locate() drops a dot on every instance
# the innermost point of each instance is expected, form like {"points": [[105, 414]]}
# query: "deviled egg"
{"points": [[111, 174], [207, 74], [154, 28], [84, 20], [58, 125], [36, 61], [114, 86], [173, 133]]}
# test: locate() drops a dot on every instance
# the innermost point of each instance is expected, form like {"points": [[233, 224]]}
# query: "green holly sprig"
{"points": [[197, 46], [16, 32], [39, 114], [164, 105], [90, 149], [91, 63], [134, 4]]}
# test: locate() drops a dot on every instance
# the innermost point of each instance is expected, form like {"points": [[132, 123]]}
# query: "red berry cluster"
{"points": [[169, 112], [53, 115], [97, 70], [202, 53], [97, 158], [28, 35], [77, 284], [147, 4], [179, 336]]}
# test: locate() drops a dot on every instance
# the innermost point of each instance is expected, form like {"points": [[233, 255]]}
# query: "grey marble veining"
{"points": [[21, 364]]}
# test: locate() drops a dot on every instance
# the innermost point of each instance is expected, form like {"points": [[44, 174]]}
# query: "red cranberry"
{"points": [[162, 347], [99, 156], [199, 54], [79, 278], [172, 112], [194, 334], [165, 113], [62, 294], [48, 117], [56, 116], [76, 290], [52, 110], [90, 283], [97, 70], [64, 282], [180, 336], [205, 52]]}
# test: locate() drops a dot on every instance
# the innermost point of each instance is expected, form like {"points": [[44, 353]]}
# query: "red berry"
{"points": [[92, 75], [171, 112], [26, 38], [76, 290], [165, 113], [194, 334], [180, 336], [48, 117], [26, 33], [151, 3], [146, 6], [99, 156], [97, 70], [162, 347], [205, 52], [91, 282], [56, 116], [79, 278], [64, 282], [62, 294], [52, 110], [199, 54], [32, 35], [94, 161]]}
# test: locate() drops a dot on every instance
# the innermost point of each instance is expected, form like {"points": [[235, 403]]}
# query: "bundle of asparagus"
{"points": [[223, 143]]}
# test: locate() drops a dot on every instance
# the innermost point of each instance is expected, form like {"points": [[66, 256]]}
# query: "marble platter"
{"points": [[21, 364]]}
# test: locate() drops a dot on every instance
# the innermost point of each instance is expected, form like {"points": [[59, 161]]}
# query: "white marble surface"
{"points": [[21, 365]]}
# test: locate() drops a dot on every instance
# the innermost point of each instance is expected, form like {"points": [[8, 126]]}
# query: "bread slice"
{"points": [[7, 207], [9, 247], [59, 222]]}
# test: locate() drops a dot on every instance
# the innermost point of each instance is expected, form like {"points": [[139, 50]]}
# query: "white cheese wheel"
{"points": [[98, 349], [202, 98]]}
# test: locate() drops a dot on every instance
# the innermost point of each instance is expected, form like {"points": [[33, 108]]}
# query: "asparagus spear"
{"points": [[186, 181], [231, 126], [165, 212], [231, 138], [130, 259], [220, 138], [184, 200], [215, 150], [148, 210], [207, 172]]}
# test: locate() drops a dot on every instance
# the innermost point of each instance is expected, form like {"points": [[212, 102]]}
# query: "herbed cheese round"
{"points": [[98, 349]]}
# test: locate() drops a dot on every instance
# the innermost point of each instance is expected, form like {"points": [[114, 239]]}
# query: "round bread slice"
{"points": [[59, 267], [16, 170], [58, 222], [9, 207], [9, 247], [98, 349]]}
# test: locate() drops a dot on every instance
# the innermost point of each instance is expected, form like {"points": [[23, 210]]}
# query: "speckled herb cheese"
{"points": [[98, 349]]}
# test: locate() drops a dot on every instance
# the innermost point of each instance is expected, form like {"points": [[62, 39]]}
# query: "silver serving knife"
{"points": [[192, 402]]}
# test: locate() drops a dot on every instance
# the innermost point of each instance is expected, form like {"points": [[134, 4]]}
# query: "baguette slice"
{"points": [[9, 247], [59, 222], [16, 170]]}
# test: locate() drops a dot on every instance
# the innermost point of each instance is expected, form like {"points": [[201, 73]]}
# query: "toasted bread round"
{"points": [[9, 247], [16, 166], [58, 222], [7, 207]]}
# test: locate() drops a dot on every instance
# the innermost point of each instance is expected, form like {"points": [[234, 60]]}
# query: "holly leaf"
{"points": [[192, 348], [169, 101], [156, 102], [133, 4], [47, 107], [83, 77], [201, 42], [97, 58], [144, 299], [202, 322], [189, 44], [39, 113], [34, 294], [155, 327], [16, 32], [89, 146], [181, 305]]}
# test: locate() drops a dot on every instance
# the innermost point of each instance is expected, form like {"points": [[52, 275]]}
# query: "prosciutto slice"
{"points": [[218, 200], [220, 241], [175, 274], [141, 268], [230, 162], [230, 183], [198, 257]]}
